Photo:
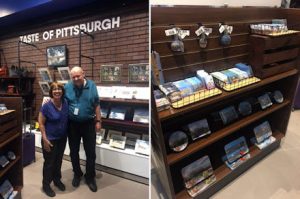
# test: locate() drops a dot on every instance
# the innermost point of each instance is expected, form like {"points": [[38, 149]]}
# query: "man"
{"points": [[85, 120]]}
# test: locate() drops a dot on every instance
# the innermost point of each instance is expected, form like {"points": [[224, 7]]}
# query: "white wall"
{"points": [[231, 3]]}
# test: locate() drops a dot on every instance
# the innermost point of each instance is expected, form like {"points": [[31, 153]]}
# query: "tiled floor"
{"points": [[109, 186], [275, 177]]}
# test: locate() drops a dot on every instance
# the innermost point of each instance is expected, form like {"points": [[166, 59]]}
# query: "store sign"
{"points": [[89, 27]]}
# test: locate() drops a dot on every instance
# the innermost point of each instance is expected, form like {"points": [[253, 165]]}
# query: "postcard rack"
{"points": [[196, 97], [236, 85]]}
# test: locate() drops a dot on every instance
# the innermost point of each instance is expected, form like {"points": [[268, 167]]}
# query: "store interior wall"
{"points": [[232, 3], [125, 45]]}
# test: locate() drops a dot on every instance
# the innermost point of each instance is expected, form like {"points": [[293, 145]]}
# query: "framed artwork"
{"points": [[45, 87], [45, 74], [57, 56], [131, 138], [110, 73], [64, 73], [138, 72], [112, 132], [117, 141]]}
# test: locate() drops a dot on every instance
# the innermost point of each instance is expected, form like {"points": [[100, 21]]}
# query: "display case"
{"points": [[181, 65]]}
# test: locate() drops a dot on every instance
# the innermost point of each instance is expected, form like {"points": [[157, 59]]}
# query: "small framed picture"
{"points": [[45, 87], [112, 132], [138, 72], [45, 74], [142, 147], [45, 100], [110, 73], [131, 138], [64, 73], [57, 56], [117, 141], [99, 137]]}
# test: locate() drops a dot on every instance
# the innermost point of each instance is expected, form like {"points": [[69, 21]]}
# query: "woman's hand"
{"points": [[47, 144]]}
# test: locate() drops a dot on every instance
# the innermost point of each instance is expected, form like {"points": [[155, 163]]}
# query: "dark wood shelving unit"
{"points": [[224, 172], [9, 166], [125, 101], [11, 140], [125, 126], [276, 52], [215, 136]]}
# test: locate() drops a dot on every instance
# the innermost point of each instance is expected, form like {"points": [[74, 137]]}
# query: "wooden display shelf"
{"points": [[223, 171], [32, 78], [8, 137], [125, 101], [125, 126], [171, 113], [9, 166], [16, 94], [215, 136]]}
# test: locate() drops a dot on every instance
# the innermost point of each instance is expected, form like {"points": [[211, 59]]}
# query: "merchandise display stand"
{"points": [[180, 65], [11, 140]]}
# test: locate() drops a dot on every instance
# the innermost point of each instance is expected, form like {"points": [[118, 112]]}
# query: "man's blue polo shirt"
{"points": [[85, 99]]}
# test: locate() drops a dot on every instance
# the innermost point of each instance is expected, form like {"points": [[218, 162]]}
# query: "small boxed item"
{"points": [[198, 129]]}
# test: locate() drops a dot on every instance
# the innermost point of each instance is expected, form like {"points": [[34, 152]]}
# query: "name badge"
{"points": [[76, 111]]}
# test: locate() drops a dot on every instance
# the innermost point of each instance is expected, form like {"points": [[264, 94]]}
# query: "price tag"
{"points": [[221, 29], [200, 31], [183, 33], [229, 29], [170, 32], [208, 31]]}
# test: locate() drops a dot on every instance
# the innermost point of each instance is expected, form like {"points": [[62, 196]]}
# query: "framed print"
{"points": [[131, 138], [45, 87], [45, 74], [64, 73], [142, 147], [99, 136], [57, 56], [117, 141], [112, 132], [45, 100], [110, 73], [138, 72]]}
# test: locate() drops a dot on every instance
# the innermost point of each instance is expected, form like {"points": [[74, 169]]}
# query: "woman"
{"points": [[53, 121]]}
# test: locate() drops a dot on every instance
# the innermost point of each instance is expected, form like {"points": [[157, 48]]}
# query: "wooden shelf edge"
{"points": [[224, 171], [9, 166], [126, 101], [8, 137], [170, 113], [216, 136]]}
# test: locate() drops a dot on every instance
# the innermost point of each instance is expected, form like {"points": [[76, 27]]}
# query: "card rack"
{"points": [[196, 97], [236, 85]]}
